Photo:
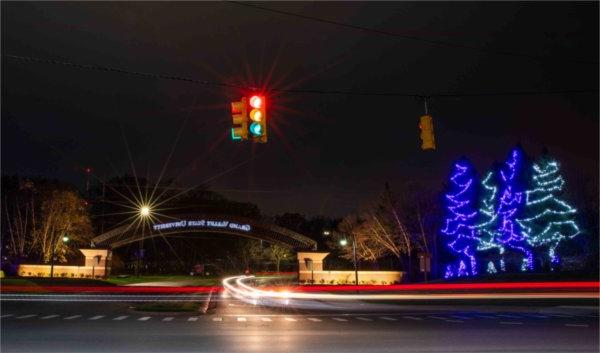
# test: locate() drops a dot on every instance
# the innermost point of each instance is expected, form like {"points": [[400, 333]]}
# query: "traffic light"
{"points": [[239, 114], [427, 137], [258, 118]]}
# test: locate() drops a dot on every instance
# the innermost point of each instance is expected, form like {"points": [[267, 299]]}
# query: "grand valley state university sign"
{"points": [[202, 223]]}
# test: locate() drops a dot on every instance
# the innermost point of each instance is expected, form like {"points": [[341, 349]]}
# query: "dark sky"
{"points": [[327, 154]]}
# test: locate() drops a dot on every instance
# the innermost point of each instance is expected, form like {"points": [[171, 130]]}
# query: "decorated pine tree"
{"points": [[510, 204], [460, 223], [547, 219], [488, 218]]}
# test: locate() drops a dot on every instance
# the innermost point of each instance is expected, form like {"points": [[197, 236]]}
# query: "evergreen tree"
{"points": [[461, 216], [548, 219], [487, 226], [512, 199]]}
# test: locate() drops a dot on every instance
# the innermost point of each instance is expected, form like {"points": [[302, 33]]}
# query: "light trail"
{"points": [[99, 298], [239, 289]]}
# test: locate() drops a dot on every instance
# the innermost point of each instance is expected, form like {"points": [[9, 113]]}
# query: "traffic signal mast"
{"points": [[251, 125]]}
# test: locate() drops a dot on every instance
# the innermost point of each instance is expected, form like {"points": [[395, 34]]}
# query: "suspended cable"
{"points": [[413, 38], [298, 91]]}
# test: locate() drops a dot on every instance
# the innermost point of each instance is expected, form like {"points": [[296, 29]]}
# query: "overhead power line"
{"points": [[298, 91], [413, 38], [120, 71]]}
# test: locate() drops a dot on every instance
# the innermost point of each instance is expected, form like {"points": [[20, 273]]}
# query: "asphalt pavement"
{"points": [[234, 326]]}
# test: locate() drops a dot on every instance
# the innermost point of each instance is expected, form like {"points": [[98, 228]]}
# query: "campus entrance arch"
{"points": [[216, 224]]}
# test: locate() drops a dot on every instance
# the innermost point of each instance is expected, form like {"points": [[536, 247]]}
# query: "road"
{"points": [[239, 327]]}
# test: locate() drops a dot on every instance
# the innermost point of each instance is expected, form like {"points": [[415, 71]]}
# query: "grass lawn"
{"points": [[57, 281], [182, 280]]}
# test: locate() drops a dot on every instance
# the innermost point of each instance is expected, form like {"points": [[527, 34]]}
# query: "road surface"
{"points": [[240, 327]]}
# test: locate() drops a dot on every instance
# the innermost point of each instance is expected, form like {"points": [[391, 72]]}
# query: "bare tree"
{"points": [[61, 214], [356, 228], [20, 224], [277, 253]]}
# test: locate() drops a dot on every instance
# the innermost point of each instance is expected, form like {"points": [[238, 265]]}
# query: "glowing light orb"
{"points": [[256, 115], [256, 102], [256, 129], [145, 211]]}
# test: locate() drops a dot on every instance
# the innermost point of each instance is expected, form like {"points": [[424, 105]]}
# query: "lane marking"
{"points": [[561, 315], [388, 318], [412, 317], [168, 319], [96, 317], [217, 319], [48, 317], [454, 321], [290, 319], [6, 315], [511, 323], [265, 319], [72, 317], [144, 318], [460, 317], [193, 318], [314, 319], [25, 316], [119, 318], [538, 316], [577, 325], [241, 319], [486, 316], [438, 317], [363, 319], [509, 316], [339, 319]]}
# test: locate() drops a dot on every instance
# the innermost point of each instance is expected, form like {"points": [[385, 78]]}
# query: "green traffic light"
{"points": [[256, 129]]}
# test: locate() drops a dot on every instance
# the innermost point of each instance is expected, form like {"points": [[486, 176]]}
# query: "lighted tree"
{"points": [[461, 217], [487, 225], [548, 219], [510, 204]]}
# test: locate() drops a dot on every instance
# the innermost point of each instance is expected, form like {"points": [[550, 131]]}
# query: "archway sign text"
{"points": [[202, 223]]}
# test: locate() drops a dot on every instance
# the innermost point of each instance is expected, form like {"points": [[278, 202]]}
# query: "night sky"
{"points": [[327, 154]]}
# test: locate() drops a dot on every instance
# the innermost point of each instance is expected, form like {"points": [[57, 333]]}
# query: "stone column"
{"points": [[96, 261], [310, 266]]}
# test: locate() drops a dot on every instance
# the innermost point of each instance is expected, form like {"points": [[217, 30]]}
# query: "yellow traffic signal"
{"points": [[239, 114], [258, 117], [427, 137]]}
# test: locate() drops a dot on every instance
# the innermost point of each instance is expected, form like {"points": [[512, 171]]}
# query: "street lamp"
{"points": [[144, 214], [145, 211], [65, 239], [344, 242]]}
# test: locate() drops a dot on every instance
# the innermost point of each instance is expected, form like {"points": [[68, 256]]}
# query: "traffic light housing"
{"points": [[427, 136], [239, 115], [258, 118]]}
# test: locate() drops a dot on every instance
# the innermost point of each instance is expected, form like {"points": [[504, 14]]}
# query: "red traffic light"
{"points": [[256, 102]]}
